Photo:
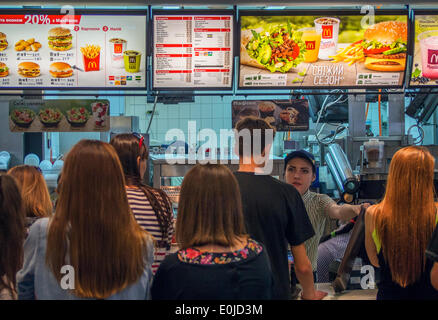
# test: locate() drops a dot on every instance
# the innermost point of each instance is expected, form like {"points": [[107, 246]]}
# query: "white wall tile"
{"points": [[195, 112], [205, 99], [140, 100], [218, 110], [206, 111]]}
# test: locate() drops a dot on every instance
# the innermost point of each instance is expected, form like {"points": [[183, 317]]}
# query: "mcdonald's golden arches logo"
{"points": [[327, 32], [92, 65], [432, 56], [310, 45]]}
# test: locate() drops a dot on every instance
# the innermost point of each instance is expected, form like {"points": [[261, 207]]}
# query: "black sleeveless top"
{"points": [[420, 290], [390, 290]]}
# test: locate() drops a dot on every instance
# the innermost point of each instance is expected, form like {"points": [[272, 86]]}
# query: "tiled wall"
{"points": [[215, 113], [208, 112]]}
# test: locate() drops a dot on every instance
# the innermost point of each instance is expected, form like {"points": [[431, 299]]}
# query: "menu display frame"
{"points": [[323, 13], [418, 12], [188, 12], [91, 12]]}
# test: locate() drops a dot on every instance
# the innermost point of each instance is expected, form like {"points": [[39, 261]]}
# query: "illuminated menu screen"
{"points": [[425, 62], [323, 51], [192, 51], [72, 51]]}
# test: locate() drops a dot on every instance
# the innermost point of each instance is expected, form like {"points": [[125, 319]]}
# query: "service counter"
{"points": [[369, 294], [164, 168]]}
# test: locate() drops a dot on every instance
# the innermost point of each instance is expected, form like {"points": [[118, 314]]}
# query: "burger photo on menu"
{"points": [[4, 70], [60, 70], [278, 48], [29, 69], [3, 41], [60, 39], [383, 48]]}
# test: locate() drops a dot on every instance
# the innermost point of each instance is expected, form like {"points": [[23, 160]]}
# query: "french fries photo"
{"points": [[28, 45], [351, 54], [90, 51]]}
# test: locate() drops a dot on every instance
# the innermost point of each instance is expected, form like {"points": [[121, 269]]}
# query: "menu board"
{"points": [[284, 115], [66, 115], [193, 50], [425, 58], [322, 49], [104, 50]]}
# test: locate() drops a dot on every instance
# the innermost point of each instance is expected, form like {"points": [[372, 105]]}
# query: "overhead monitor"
{"points": [[192, 49], [322, 49], [88, 49]]}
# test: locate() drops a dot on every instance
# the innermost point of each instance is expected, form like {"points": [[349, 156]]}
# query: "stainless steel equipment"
{"points": [[349, 181], [123, 124], [166, 174]]}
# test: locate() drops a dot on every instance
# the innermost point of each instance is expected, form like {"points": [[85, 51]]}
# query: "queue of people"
{"points": [[110, 235]]}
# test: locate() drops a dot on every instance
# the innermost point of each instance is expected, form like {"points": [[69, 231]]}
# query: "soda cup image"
{"points": [[329, 29], [429, 53], [117, 47], [132, 60], [312, 39]]}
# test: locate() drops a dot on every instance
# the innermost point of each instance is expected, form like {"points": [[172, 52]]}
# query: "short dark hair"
{"points": [[252, 123]]}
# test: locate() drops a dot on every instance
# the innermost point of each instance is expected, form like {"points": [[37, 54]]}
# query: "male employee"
{"points": [[274, 211], [432, 254], [300, 171]]}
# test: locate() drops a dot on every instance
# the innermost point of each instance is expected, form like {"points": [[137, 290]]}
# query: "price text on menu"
{"points": [[193, 51]]}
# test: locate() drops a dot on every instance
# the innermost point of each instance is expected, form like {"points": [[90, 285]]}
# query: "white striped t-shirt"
{"points": [[146, 218]]}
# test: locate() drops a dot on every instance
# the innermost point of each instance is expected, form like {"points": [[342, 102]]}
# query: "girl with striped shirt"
{"points": [[151, 207]]}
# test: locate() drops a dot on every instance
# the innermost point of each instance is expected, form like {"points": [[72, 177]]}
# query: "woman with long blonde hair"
{"points": [[93, 232], [398, 229], [34, 192]]}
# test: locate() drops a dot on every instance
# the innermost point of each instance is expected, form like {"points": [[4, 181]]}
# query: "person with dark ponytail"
{"points": [[151, 207]]}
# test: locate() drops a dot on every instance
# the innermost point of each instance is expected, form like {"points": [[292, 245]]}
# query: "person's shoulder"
{"points": [[369, 217], [371, 211], [281, 184], [134, 192], [323, 198], [170, 261], [39, 225]]}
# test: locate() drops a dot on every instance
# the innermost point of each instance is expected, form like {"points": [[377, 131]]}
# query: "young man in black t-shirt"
{"points": [[274, 211], [432, 254]]}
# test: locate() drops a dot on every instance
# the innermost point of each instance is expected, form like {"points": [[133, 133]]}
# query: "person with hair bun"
{"points": [[151, 207]]}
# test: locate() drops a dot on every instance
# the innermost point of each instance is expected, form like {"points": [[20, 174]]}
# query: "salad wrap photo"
{"points": [[277, 49]]}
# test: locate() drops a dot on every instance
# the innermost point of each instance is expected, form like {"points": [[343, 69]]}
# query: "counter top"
{"points": [[161, 158], [369, 294]]}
